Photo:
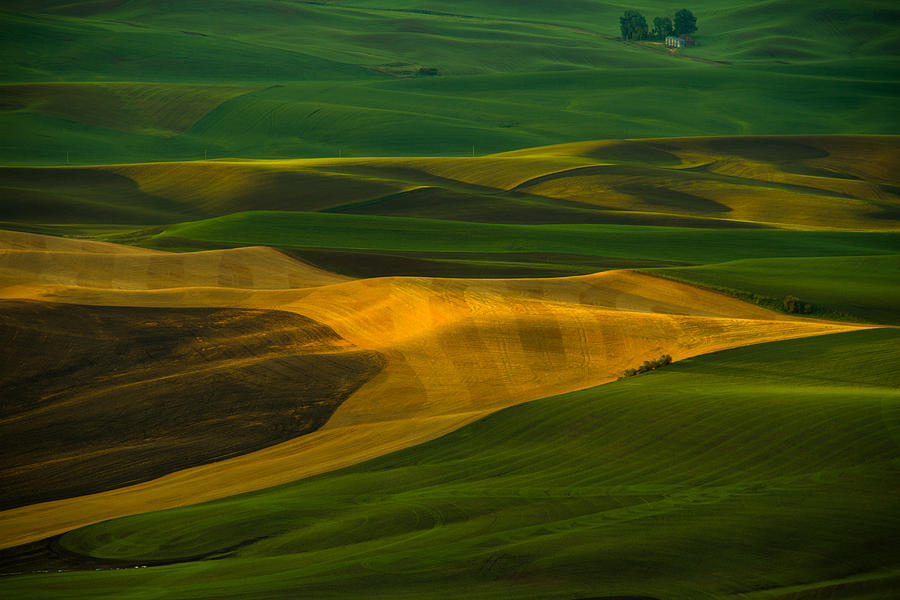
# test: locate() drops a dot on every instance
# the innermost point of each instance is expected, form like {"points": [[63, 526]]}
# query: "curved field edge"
{"points": [[364, 232], [756, 472], [455, 350], [156, 109], [794, 182], [858, 288], [99, 397]]}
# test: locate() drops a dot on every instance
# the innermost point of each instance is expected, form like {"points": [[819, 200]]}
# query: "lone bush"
{"points": [[792, 304], [649, 365]]}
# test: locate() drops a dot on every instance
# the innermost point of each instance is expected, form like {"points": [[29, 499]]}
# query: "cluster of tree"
{"points": [[634, 25], [792, 304], [648, 365]]}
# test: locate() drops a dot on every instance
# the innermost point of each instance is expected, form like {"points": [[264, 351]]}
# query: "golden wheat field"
{"points": [[452, 350]]}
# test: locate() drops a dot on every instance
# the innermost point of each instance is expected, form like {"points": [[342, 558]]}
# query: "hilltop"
{"points": [[139, 81]]}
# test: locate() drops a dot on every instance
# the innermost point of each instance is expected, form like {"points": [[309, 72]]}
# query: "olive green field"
{"points": [[350, 298]]}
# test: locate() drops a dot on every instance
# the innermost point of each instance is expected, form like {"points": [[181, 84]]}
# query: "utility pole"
{"points": [[204, 154], [473, 150], [67, 157]]}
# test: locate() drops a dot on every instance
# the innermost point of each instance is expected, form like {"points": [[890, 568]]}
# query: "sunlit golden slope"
{"points": [[15, 240], [837, 182], [463, 345], [795, 182], [455, 350], [34, 260], [872, 157]]}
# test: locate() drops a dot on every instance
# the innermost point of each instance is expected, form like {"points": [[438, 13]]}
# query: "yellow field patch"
{"points": [[455, 350], [96, 265], [791, 182]]}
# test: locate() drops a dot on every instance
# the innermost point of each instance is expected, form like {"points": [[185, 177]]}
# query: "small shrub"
{"points": [[649, 365], [428, 71], [792, 304]]}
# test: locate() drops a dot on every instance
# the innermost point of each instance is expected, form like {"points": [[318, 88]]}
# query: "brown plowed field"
{"points": [[95, 398]]}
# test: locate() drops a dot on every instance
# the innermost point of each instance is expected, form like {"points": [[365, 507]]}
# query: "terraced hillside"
{"points": [[138, 81]]}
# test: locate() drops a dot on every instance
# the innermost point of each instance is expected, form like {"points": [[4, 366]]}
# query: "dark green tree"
{"points": [[792, 304], [685, 22], [633, 25], [662, 27]]}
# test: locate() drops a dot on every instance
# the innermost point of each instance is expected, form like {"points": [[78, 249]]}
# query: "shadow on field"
{"points": [[98, 397]]}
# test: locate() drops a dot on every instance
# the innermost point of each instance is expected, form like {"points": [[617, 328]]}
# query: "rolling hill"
{"points": [[325, 79], [341, 298], [452, 350], [863, 287], [794, 182], [98, 401], [761, 472]]}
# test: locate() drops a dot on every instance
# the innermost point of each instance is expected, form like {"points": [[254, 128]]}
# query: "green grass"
{"points": [[476, 265], [77, 195], [363, 232], [765, 469], [764, 472], [863, 287], [336, 76], [106, 46], [495, 113], [151, 108]]}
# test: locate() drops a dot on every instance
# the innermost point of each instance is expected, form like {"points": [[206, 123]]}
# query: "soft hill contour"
{"points": [[425, 77], [453, 349], [766, 472], [792, 182]]}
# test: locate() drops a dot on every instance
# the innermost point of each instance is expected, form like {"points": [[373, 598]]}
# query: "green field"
{"points": [[323, 79], [753, 471], [447, 138], [340, 231], [864, 287]]}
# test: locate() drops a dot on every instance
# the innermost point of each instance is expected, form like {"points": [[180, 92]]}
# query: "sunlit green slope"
{"points": [[344, 78], [364, 232], [758, 471], [863, 287]]}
